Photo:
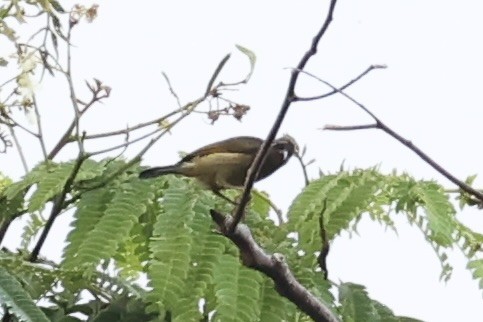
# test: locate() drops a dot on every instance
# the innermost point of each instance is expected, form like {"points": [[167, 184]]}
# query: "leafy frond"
{"points": [[171, 245], [237, 290], [356, 305], [51, 183], [33, 177], [274, 308], [207, 248], [334, 200], [34, 224], [103, 235], [90, 209], [439, 212], [18, 300], [472, 242], [476, 266]]}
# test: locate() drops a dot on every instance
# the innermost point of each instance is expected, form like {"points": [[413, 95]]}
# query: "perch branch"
{"points": [[275, 267], [289, 98]]}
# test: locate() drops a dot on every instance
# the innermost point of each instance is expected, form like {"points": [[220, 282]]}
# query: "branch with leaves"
{"points": [[379, 124]]}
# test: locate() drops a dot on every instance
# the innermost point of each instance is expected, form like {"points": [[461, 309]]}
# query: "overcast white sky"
{"points": [[430, 93]]}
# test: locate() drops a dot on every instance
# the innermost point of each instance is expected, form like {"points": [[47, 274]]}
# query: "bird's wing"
{"points": [[240, 144]]}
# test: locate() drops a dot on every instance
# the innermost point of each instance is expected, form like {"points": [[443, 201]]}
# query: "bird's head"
{"points": [[287, 145]]}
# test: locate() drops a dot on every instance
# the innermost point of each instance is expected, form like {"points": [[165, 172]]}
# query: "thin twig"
{"points": [[9, 121], [349, 128], [171, 90], [382, 126], [289, 98], [187, 110], [218, 69], [39, 128], [19, 149], [355, 80], [73, 97], [278, 211], [135, 127], [125, 144], [299, 157]]}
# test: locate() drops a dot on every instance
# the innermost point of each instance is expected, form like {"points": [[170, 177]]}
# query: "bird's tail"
{"points": [[159, 171]]}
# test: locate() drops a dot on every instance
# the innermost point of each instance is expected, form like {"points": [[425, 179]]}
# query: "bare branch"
{"points": [[9, 121], [186, 110], [355, 80], [40, 135], [125, 144], [136, 127], [289, 98], [73, 97], [349, 127], [303, 165], [19, 149], [273, 266], [380, 125], [171, 90], [218, 69]]}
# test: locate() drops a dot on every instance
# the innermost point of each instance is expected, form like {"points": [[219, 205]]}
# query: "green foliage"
{"points": [[237, 291], [107, 224], [125, 228], [18, 300], [477, 267], [273, 307], [356, 305], [171, 246], [332, 202]]}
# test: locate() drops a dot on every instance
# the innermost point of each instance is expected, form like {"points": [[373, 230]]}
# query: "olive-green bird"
{"points": [[224, 164]]}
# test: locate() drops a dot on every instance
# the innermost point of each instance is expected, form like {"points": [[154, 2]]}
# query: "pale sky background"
{"points": [[430, 93]]}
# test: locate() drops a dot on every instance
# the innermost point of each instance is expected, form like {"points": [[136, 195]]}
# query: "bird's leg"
{"points": [[222, 196]]}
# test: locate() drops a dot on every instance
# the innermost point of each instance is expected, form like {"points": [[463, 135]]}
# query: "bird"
{"points": [[224, 164]]}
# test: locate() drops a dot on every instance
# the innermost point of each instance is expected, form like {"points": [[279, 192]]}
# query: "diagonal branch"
{"points": [[382, 126], [289, 98], [352, 82], [57, 207], [275, 267]]}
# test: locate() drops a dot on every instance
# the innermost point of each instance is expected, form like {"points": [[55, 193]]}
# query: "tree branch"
{"points": [[57, 208], [350, 127], [289, 98], [352, 82], [275, 267], [382, 126]]}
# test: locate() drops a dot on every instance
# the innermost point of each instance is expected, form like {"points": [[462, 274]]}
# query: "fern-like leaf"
{"points": [[33, 177], [476, 266], [237, 290], [14, 296], [205, 254], [90, 209], [112, 228], [440, 213], [51, 183], [274, 308], [337, 200], [356, 304], [171, 245]]}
